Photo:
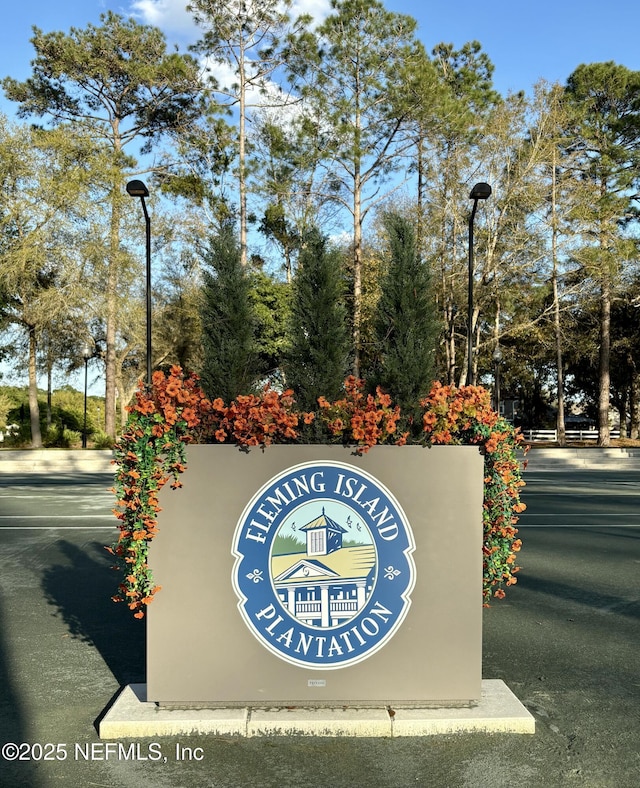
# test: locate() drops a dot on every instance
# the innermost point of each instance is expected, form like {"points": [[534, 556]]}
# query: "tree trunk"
{"points": [[622, 413], [357, 270], [634, 411], [34, 410], [560, 424], [604, 437], [242, 179], [451, 344], [111, 317], [420, 189], [49, 392]]}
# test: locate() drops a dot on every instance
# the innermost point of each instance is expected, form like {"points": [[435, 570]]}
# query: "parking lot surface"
{"points": [[565, 640]]}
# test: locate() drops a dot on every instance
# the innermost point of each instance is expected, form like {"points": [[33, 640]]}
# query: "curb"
{"points": [[45, 461], [593, 458]]}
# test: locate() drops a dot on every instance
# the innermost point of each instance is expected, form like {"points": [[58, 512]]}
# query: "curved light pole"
{"points": [[138, 189], [481, 191], [86, 355]]}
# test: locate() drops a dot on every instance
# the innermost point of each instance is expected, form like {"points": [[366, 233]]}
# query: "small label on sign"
{"points": [[317, 683]]}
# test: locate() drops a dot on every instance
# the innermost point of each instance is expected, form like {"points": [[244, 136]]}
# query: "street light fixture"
{"points": [[86, 355], [481, 191], [138, 189]]}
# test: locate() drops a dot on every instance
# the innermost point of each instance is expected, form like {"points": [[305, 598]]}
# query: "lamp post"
{"points": [[86, 355], [481, 191], [497, 358], [138, 189]]}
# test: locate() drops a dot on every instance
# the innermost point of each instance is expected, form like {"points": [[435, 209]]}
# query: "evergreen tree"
{"points": [[405, 325], [230, 363], [317, 359]]}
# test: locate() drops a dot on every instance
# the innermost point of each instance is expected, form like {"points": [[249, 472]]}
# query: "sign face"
{"points": [[324, 567]]}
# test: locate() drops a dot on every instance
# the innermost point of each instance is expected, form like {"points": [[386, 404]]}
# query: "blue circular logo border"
{"points": [[376, 608]]}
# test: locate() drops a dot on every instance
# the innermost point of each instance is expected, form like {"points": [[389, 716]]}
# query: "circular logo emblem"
{"points": [[323, 568]]}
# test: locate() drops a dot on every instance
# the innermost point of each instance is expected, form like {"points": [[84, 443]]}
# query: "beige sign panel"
{"points": [[307, 575]]}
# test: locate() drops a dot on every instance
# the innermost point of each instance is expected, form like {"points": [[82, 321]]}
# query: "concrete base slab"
{"points": [[499, 711], [132, 716]]}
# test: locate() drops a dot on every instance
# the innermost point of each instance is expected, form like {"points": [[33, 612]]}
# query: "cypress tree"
{"points": [[317, 359], [405, 326], [230, 364]]}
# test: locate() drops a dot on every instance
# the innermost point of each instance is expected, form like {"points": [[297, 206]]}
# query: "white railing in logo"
{"points": [[313, 609], [343, 606], [304, 608]]}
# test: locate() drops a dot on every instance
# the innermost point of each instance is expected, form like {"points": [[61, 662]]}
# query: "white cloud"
{"points": [[319, 9], [172, 17]]}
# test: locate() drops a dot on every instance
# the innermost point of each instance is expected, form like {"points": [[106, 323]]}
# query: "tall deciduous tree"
{"points": [[118, 83], [42, 180], [317, 360], [605, 137]]}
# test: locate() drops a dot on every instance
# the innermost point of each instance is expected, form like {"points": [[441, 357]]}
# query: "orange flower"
{"points": [[177, 412]]}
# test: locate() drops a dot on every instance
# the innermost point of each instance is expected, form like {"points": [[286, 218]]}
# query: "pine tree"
{"points": [[406, 327], [230, 364], [317, 359]]}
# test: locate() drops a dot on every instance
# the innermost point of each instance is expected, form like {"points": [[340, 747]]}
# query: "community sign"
{"points": [[323, 565]]}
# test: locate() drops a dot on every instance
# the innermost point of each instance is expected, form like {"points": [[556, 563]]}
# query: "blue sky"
{"points": [[525, 41]]}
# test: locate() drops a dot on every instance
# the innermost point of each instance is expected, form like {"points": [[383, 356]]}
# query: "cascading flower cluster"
{"points": [[175, 411], [149, 453], [465, 416]]}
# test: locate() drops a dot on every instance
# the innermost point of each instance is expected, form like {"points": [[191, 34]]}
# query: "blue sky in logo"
{"points": [[357, 530]]}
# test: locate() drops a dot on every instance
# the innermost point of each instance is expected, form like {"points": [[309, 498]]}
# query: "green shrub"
{"points": [[60, 437], [101, 440]]}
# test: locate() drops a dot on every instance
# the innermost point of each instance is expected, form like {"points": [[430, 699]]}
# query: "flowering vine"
{"points": [[174, 411], [150, 453], [465, 416]]}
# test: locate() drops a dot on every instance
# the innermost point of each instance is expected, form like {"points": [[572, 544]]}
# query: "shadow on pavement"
{"points": [[601, 602], [81, 591], [13, 730]]}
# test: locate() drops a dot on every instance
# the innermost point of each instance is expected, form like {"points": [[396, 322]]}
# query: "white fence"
{"points": [[571, 435]]}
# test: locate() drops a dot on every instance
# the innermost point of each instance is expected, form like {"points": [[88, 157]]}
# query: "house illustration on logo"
{"points": [[328, 584]]}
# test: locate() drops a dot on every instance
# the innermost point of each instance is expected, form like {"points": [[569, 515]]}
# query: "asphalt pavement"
{"points": [[565, 640]]}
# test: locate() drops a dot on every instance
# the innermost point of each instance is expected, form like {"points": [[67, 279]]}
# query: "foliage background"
{"points": [[409, 130]]}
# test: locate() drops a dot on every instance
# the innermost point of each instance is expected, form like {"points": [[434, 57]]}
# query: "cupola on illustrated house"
{"points": [[324, 535]]}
